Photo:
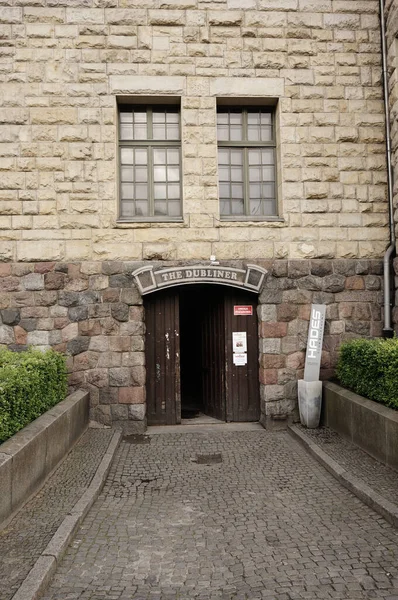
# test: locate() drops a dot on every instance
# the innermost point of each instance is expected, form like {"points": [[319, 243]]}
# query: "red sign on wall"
{"points": [[243, 310]]}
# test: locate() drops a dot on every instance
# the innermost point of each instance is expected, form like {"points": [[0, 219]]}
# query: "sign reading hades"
{"points": [[150, 280], [314, 343]]}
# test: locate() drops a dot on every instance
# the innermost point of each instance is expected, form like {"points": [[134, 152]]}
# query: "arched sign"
{"points": [[149, 280]]}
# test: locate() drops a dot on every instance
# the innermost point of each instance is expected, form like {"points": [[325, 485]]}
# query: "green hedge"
{"points": [[31, 382], [370, 368]]}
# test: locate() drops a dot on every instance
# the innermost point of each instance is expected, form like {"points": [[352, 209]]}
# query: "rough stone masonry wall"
{"points": [[63, 63], [94, 313], [391, 9]]}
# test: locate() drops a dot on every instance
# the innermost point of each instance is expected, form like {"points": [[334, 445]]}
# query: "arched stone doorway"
{"points": [[191, 364]]}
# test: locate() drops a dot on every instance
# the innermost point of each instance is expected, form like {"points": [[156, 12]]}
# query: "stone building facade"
{"points": [[71, 230]]}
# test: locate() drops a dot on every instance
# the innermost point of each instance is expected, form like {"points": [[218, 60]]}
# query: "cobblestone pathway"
{"points": [[267, 522], [381, 478], [27, 535]]}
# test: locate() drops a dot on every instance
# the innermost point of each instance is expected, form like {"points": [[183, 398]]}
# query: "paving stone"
{"points": [[27, 535], [267, 522]]}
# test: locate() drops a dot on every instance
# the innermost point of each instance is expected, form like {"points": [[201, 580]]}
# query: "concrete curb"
{"points": [[40, 575], [364, 492]]}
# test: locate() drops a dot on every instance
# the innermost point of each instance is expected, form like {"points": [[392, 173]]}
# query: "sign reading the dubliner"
{"points": [[150, 279], [314, 344]]}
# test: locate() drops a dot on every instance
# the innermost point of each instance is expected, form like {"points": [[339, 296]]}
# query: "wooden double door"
{"points": [[191, 366]]}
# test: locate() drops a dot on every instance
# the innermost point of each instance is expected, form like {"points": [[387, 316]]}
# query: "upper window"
{"points": [[246, 162], [150, 173]]}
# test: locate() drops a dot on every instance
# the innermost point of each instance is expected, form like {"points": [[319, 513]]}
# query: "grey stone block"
{"points": [[33, 281], [78, 345], [5, 486], [392, 441], [6, 335], [11, 316], [337, 411], [29, 462]]}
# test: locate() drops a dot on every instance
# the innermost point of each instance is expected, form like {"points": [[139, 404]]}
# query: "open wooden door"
{"points": [[241, 381], [162, 350], [213, 356]]}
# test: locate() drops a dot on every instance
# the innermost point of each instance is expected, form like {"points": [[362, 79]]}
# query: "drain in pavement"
{"points": [[208, 459], [137, 439]]}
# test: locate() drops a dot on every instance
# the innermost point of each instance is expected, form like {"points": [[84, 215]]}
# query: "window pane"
{"points": [[141, 174], [236, 157], [222, 133], [266, 134], [237, 207], [268, 190], [174, 209], [159, 157], [268, 173], [237, 174], [127, 156], [158, 116], [223, 173], [173, 191], [127, 190], [173, 132], [127, 173], [255, 174], [225, 207], [159, 173], [159, 131], [254, 157], [140, 116], [141, 209], [140, 132], [141, 156], [255, 207], [126, 117], [126, 131], [236, 191], [127, 209], [173, 174], [160, 191], [141, 191], [267, 156], [160, 209], [222, 118], [173, 156], [255, 190], [235, 133], [253, 133], [223, 156], [225, 190]]}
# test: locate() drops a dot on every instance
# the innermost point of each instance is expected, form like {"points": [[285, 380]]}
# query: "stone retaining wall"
{"points": [[93, 311], [32, 454], [372, 426]]}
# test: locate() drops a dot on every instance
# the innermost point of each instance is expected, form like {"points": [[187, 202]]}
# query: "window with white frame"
{"points": [[246, 162], [150, 162]]}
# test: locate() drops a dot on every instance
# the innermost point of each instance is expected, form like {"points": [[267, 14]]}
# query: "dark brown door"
{"points": [[225, 390], [241, 381], [162, 350], [213, 356]]}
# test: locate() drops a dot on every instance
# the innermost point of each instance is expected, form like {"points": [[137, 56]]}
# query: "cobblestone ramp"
{"points": [[27, 535], [265, 522]]}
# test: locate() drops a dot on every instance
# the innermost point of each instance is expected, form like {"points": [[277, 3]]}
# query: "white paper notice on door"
{"points": [[239, 341], [240, 358]]}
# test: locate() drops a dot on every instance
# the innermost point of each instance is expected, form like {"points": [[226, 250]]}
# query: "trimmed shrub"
{"points": [[31, 382], [370, 368]]}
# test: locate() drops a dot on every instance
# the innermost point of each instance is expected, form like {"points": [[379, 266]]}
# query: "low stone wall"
{"points": [[371, 426], [30, 455]]}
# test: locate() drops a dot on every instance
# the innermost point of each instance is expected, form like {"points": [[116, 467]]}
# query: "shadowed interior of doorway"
{"points": [[195, 304]]}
